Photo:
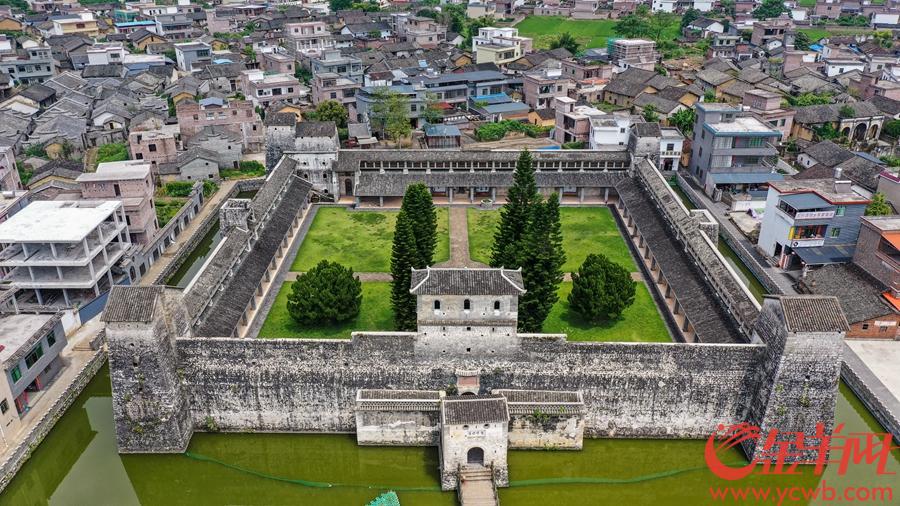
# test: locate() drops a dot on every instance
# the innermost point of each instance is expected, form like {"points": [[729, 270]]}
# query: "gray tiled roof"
{"points": [[464, 281], [813, 313], [859, 294], [400, 394], [818, 114], [131, 303], [316, 129], [828, 153], [704, 310], [394, 183], [474, 410]]}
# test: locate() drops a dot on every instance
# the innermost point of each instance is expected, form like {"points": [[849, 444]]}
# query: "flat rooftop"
{"points": [[129, 169], [744, 124], [56, 221], [821, 187], [17, 329], [884, 223]]}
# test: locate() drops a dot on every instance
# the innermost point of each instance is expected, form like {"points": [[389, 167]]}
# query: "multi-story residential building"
{"points": [[32, 63], [499, 45], [767, 106], [542, 86], [425, 32], [581, 70], [723, 45], [871, 84], [366, 97], [173, 26], [732, 151], [191, 56], [80, 23], [663, 5], [277, 63], [480, 9], [770, 30], [333, 62], [878, 250], [52, 5], [628, 53], [29, 356], [573, 121], [130, 181], [262, 88], [63, 251], [154, 146], [457, 88], [329, 86], [235, 115], [671, 145], [610, 131], [811, 221], [828, 8], [310, 38], [106, 53]]}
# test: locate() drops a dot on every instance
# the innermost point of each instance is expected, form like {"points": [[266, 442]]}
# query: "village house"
{"points": [[811, 222], [542, 86], [262, 88], [499, 45], [235, 115], [307, 39], [573, 121], [858, 121], [130, 181]]}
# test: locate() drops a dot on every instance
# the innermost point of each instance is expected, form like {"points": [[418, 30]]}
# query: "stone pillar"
{"points": [[494, 194], [472, 195], [581, 194], [150, 407], [606, 195], [381, 201], [450, 195]]}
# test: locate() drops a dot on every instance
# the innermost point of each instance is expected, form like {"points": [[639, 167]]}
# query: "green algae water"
{"points": [[78, 465], [195, 260]]}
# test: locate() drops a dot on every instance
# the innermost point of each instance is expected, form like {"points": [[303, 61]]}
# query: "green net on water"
{"points": [[512, 483]]}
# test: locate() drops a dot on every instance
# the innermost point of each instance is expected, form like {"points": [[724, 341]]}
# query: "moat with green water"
{"points": [[78, 465]]}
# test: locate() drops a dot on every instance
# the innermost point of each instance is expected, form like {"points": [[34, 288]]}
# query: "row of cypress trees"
{"points": [[415, 238], [530, 236]]}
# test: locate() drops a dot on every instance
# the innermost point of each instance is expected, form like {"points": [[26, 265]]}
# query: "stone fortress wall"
{"points": [[167, 382]]}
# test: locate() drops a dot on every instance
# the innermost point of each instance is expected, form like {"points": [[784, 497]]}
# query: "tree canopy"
{"points": [[541, 257], [878, 206], [330, 110], [566, 41], [770, 9], [327, 294], [601, 289], [515, 215], [404, 257]]}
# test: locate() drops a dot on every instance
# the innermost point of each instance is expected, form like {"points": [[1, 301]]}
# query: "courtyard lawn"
{"points": [[374, 314], [585, 230], [359, 239], [590, 33], [641, 322]]}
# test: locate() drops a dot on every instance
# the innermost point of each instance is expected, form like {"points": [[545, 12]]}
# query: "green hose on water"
{"points": [[513, 483]]}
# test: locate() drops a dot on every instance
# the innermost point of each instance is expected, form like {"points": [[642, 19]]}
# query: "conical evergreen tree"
{"points": [[555, 232], [515, 215], [404, 256], [419, 207], [601, 289], [541, 268]]}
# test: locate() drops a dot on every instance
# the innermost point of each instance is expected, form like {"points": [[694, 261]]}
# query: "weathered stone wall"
{"points": [[630, 389], [546, 431], [398, 428]]}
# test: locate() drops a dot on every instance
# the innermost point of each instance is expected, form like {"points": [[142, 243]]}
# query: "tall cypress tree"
{"points": [[404, 256], [521, 198], [419, 207], [541, 259]]}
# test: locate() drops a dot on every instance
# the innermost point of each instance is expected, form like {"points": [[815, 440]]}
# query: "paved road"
{"points": [[719, 211], [210, 206]]}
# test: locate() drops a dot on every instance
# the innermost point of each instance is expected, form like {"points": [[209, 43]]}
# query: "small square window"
{"points": [[15, 374], [4, 407], [51, 339]]}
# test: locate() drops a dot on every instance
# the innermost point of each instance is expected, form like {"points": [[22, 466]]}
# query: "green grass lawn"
{"points": [[374, 314], [641, 322], [585, 230], [359, 239], [589, 33], [807, 3]]}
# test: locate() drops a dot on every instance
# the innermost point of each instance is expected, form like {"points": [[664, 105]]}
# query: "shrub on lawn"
{"points": [[328, 293], [178, 188], [601, 289]]}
